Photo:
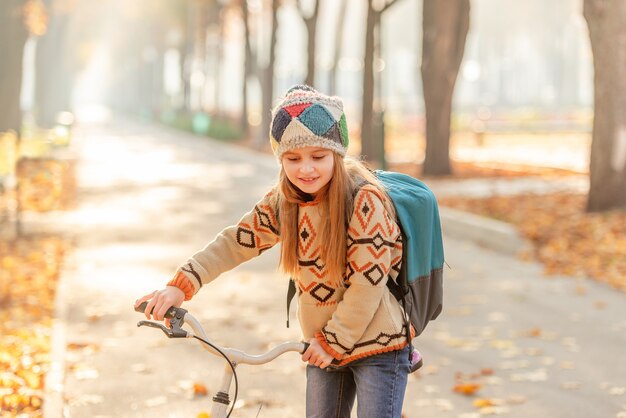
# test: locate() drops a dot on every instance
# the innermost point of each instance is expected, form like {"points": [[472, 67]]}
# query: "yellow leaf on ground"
{"points": [[482, 403]]}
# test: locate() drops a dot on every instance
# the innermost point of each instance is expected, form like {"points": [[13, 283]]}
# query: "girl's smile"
{"points": [[309, 168]]}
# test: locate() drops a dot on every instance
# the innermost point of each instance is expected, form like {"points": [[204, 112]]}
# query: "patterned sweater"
{"points": [[354, 316]]}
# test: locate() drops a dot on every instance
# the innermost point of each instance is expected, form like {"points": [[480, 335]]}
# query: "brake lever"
{"points": [[170, 332], [176, 322]]}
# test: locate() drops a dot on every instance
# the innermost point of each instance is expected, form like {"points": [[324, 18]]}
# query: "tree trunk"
{"points": [[371, 140], [368, 148], [267, 81], [53, 69], [200, 64], [247, 64], [184, 77], [219, 57], [13, 37], [445, 27], [186, 52], [606, 20], [338, 46], [311, 29]]}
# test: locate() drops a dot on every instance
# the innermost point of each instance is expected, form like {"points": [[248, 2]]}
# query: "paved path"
{"points": [[149, 197]]}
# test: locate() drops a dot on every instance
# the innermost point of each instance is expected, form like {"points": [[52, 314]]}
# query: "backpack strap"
{"points": [[291, 292], [399, 289]]}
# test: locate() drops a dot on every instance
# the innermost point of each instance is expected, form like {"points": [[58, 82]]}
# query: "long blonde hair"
{"points": [[336, 207]]}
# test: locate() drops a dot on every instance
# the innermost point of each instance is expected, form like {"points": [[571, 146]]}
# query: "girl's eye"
{"points": [[318, 157], [292, 158]]}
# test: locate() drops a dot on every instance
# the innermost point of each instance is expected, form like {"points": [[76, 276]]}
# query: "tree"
{"points": [[199, 26], [371, 147], [216, 31], [311, 28], [445, 27], [267, 78], [248, 64], [185, 51], [136, 84], [606, 20], [13, 36], [54, 70], [338, 46]]}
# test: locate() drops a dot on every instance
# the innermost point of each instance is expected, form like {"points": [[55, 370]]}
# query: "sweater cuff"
{"points": [[320, 338], [183, 283]]}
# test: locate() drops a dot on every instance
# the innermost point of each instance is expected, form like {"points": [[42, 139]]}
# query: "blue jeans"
{"points": [[379, 383]]}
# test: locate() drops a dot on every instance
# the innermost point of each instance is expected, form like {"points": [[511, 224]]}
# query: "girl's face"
{"points": [[309, 168]]}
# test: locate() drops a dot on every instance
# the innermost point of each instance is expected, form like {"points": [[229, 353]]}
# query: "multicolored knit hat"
{"points": [[306, 118]]}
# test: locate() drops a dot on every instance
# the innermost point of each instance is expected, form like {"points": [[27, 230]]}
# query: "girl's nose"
{"points": [[306, 168]]}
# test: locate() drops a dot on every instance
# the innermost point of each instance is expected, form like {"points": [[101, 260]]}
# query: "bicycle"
{"points": [[179, 316]]}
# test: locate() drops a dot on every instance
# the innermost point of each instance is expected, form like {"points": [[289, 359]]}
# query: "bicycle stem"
{"points": [[221, 400]]}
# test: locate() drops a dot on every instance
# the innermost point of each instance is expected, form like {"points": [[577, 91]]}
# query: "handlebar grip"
{"points": [[306, 347], [171, 312]]}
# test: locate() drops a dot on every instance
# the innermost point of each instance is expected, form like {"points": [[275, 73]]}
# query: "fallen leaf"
{"points": [[29, 269], [486, 372], [516, 399], [467, 388], [494, 410], [94, 317], [502, 344], [534, 332], [86, 399], [139, 368], [482, 403], [539, 375], [571, 385], [87, 348], [84, 371], [200, 390]]}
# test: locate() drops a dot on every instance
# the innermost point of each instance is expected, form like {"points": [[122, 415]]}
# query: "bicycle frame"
{"points": [[221, 400]]}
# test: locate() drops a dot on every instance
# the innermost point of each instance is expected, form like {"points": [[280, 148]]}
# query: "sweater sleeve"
{"points": [[256, 232], [372, 235]]}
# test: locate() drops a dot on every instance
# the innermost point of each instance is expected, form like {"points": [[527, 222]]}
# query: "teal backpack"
{"points": [[419, 286]]}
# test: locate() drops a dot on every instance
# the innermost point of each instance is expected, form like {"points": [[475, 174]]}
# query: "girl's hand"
{"points": [[315, 355], [161, 301]]}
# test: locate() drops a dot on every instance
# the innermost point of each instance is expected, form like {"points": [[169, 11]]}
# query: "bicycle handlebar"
{"points": [[171, 312], [178, 316]]}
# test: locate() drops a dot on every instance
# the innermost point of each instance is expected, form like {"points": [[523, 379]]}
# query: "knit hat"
{"points": [[306, 118]]}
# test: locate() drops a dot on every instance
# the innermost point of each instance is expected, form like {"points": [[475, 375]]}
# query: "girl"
{"points": [[340, 242]]}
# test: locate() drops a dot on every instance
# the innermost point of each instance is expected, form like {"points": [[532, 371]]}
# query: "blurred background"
{"points": [[520, 67], [463, 93], [421, 80]]}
